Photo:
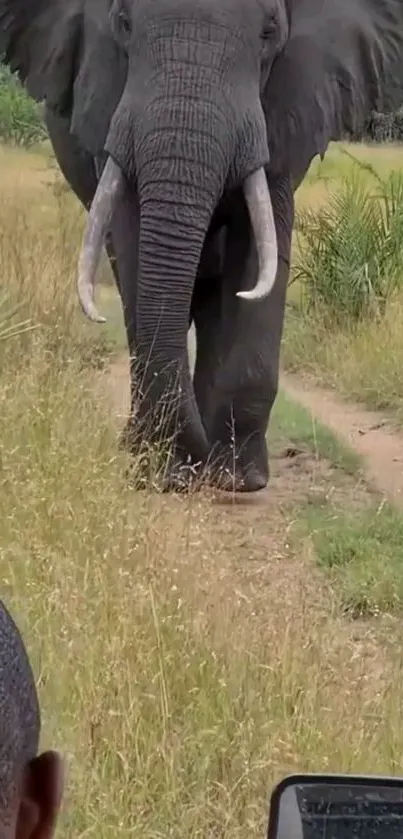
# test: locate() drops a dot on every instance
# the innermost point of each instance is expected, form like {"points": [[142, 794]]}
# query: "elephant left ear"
{"points": [[40, 41], [340, 62]]}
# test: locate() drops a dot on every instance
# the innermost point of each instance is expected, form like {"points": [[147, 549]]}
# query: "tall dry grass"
{"points": [[179, 682]]}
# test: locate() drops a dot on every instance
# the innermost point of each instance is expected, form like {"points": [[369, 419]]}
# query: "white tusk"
{"points": [[99, 219], [257, 196]]}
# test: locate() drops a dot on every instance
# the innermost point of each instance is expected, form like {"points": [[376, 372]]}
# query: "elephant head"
{"points": [[190, 100], [189, 125]]}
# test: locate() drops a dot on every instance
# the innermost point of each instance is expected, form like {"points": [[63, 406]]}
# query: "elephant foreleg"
{"points": [[246, 381], [206, 312]]}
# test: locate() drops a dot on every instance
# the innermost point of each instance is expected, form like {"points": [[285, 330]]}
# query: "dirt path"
{"points": [[367, 432]]}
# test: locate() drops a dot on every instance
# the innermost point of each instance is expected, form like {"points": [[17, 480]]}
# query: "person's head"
{"points": [[31, 785]]}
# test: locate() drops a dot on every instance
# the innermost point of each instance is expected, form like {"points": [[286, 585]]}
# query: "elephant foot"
{"points": [[177, 474], [237, 474], [229, 481], [181, 479], [145, 474], [252, 480], [180, 475], [151, 469], [184, 478]]}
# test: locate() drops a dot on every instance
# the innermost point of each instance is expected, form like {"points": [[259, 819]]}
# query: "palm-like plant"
{"points": [[350, 258]]}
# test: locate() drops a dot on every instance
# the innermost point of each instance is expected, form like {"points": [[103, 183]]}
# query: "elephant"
{"points": [[185, 127]]}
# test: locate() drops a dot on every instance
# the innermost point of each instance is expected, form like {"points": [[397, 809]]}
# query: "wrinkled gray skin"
{"points": [[189, 97]]}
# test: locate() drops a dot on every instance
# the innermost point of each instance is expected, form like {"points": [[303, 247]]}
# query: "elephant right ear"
{"points": [[40, 41]]}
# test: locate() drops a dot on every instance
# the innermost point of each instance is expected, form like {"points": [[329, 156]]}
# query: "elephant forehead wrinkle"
{"points": [[201, 119], [188, 50], [171, 183], [183, 82], [186, 82], [209, 44], [197, 129], [197, 29], [176, 160], [182, 195], [168, 98], [174, 157]]}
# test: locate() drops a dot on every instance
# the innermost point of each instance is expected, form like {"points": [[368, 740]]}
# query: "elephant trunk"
{"points": [[180, 179]]}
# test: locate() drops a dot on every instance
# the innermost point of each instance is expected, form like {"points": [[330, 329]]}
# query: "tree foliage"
{"points": [[384, 128]]}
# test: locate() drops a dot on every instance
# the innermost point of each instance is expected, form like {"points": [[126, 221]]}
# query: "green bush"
{"points": [[21, 121], [350, 256]]}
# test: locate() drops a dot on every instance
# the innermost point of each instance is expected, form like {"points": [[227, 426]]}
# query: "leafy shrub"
{"points": [[350, 255], [20, 116]]}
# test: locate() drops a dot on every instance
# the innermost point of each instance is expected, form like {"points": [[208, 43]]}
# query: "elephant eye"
{"points": [[269, 28], [120, 21], [124, 22]]}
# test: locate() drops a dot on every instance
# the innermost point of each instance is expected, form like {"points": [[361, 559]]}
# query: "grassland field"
{"points": [[190, 652]]}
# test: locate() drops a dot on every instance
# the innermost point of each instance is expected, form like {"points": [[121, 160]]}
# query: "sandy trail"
{"points": [[367, 432]]}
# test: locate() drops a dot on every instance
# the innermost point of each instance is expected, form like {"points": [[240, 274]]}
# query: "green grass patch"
{"points": [[292, 423], [362, 553]]}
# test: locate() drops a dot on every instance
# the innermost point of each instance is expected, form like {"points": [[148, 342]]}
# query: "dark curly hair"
{"points": [[19, 709]]}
